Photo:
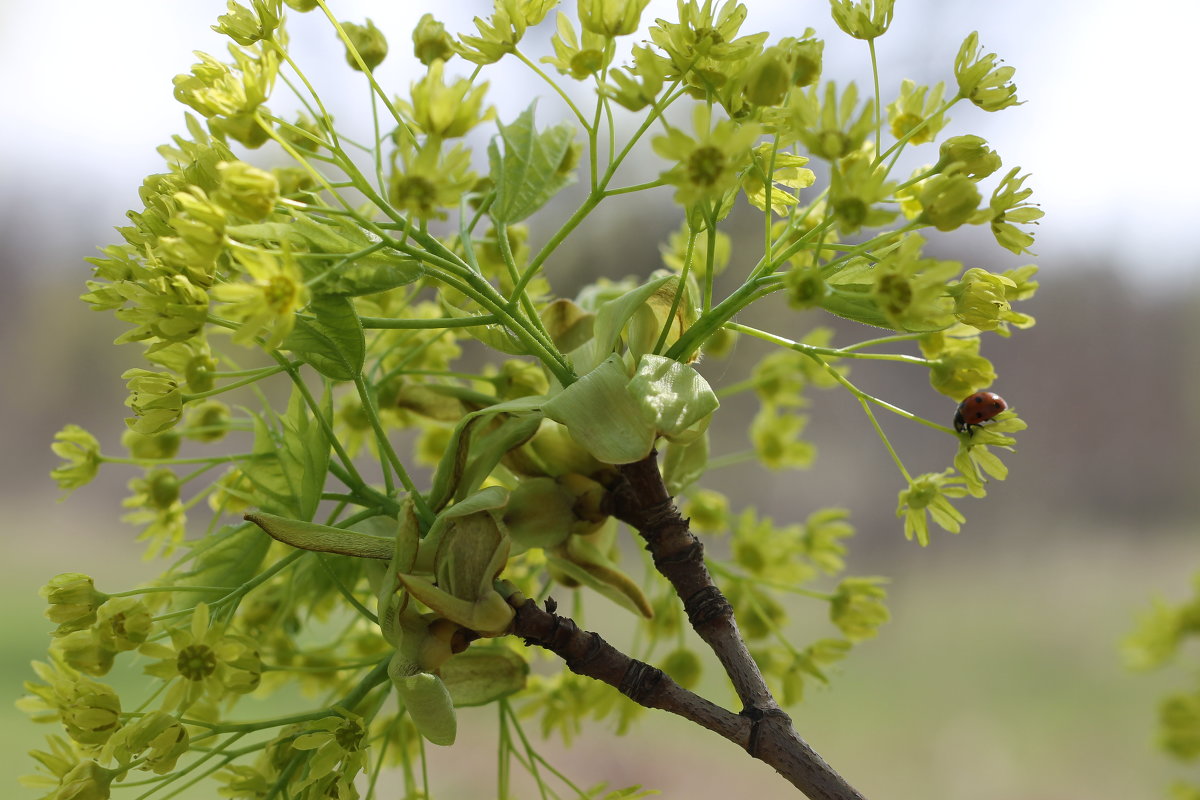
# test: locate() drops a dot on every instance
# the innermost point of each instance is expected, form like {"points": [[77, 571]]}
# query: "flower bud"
{"points": [[431, 42], [245, 26], [975, 158], [73, 601], [611, 18], [247, 191], [155, 399], [92, 713], [160, 445], [81, 452], [368, 41], [949, 201], [123, 623]]}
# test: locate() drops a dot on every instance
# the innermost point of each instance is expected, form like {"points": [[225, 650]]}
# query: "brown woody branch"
{"points": [[768, 737], [640, 499]]}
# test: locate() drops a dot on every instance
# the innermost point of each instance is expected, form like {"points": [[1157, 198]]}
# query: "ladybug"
{"points": [[976, 410]]}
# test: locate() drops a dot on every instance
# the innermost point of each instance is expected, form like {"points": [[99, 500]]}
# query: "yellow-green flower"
{"points": [[975, 462], [1007, 209], [916, 114], [862, 19], [927, 496], [611, 18], [777, 442], [427, 180], [338, 743], [972, 155], [787, 172], [910, 290], [268, 302], [500, 33], [81, 453], [203, 662], [948, 200], [705, 34], [123, 623], [709, 165], [981, 301], [857, 191], [89, 711], [73, 600], [575, 58], [858, 609], [159, 739], [980, 80], [829, 126], [446, 110], [247, 26], [155, 398], [247, 191], [956, 369]]}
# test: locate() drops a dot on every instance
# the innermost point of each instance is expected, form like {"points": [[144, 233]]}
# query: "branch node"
{"points": [[757, 717], [640, 681], [705, 605]]}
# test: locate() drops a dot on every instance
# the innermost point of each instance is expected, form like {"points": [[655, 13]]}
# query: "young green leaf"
{"points": [[333, 342], [532, 168]]}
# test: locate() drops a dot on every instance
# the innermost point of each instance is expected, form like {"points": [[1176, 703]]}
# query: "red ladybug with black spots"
{"points": [[976, 410]]}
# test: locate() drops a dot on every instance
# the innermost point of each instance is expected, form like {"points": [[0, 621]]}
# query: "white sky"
{"points": [[1111, 87]]}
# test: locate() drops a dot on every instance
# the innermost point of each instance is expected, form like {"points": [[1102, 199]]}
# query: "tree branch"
{"points": [[768, 737], [640, 499]]}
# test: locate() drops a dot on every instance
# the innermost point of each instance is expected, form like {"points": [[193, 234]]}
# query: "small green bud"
{"points": [[155, 398], [959, 370], [857, 608], [160, 445], [84, 651], [92, 713], [971, 153], [721, 343], [708, 511], [87, 780], [611, 18], [158, 737], [431, 42], [949, 201], [683, 666], [368, 42], [768, 77], [73, 601], [208, 422], [806, 288], [123, 623], [247, 191]]}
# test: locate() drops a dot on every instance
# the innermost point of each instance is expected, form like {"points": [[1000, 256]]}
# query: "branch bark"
{"points": [[639, 498]]}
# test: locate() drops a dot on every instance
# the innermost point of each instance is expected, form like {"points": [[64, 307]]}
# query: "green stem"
{"points": [[385, 446], [434, 323]]}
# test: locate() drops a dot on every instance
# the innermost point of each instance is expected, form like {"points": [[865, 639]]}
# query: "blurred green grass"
{"points": [[999, 679]]}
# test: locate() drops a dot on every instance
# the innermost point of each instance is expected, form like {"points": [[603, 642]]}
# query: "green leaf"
{"points": [[602, 416], [482, 674], [324, 538], [448, 479], [610, 320], [376, 269], [429, 706], [291, 461], [228, 558], [530, 170], [684, 464], [672, 396], [333, 343]]}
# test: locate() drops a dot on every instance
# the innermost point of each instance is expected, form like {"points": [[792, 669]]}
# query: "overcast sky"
{"points": [[1111, 101]]}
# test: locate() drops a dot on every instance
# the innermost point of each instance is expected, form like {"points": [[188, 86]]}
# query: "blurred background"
{"points": [[1000, 675]]}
